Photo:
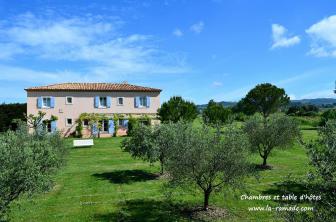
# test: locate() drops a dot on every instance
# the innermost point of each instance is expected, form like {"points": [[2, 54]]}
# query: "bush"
{"points": [[328, 115], [10, 112], [28, 162]]}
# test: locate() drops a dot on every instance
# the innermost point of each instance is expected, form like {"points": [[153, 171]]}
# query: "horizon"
{"points": [[206, 50]]}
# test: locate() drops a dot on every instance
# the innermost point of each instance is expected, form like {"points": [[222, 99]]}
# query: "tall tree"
{"points": [[10, 112], [216, 114], [177, 109], [206, 159], [276, 131], [264, 98]]}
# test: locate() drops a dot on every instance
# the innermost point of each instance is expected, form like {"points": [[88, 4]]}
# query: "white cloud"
{"points": [[281, 39], [217, 84], [95, 42], [177, 33], [197, 27], [323, 34]]}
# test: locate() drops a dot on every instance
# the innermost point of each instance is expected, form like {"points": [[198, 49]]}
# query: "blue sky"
{"points": [[200, 50]]}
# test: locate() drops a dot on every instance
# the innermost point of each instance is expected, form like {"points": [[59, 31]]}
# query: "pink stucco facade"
{"points": [[83, 102]]}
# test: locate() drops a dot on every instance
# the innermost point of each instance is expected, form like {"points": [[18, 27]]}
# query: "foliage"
{"points": [[115, 123], [94, 119], [276, 131], [10, 112], [206, 159], [216, 114], [79, 128], [330, 114], [177, 109], [38, 122], [303, 110], [132, 124], [151, 143], [264, 98], [27, 163]]}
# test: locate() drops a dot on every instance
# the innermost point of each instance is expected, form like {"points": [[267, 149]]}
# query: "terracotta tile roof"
{"points": [[93, 87]]}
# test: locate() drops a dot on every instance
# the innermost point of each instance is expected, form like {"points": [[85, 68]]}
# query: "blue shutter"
{"points": [[52, 102], [108, 101], [111, 126], [136, 101], [96, 102], [94, 129], [147, 101], [53, 126], [39, 102], [125, 123]]}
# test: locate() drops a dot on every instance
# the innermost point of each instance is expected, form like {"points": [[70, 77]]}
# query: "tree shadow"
{"points": [[146, 210], [126, 176]]}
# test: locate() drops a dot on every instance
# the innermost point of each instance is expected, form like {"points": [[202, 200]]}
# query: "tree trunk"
{"points": [[206, 199], [264, 162], [161, 171]]}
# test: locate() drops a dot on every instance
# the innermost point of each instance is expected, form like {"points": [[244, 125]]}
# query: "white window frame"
{"points": [[66, 122], [66, 100], [140, 105], [100, 106], [118, 101], [46, 97], [103, 123]]}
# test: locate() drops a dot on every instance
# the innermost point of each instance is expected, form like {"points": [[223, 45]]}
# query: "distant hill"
{"points": [[320, 102]]}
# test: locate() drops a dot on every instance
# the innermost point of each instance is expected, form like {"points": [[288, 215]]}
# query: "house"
{"points": [[116, 102]]}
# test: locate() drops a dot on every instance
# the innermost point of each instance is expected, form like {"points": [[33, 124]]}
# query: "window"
{"points": [[120, 101], [68, 100], [48, 126], [68, 121], [143, 101], [104, 124], [85, 122], [46, 102], [121, 122], [102, 101]]}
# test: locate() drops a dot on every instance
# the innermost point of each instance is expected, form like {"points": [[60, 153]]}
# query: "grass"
{"points": [[103, 183]]}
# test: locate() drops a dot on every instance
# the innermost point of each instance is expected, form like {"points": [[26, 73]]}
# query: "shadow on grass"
{"points": [[126, 176], [145, 210]]}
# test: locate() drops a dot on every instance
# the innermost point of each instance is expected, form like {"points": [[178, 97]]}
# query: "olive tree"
{"points": [[276, 131], [28, 162], [151, 143], [207, 160]]}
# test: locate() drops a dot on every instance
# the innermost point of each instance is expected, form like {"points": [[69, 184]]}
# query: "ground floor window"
{"points": [[48, 126], [104, 125], [69, 122], [86, 123]]}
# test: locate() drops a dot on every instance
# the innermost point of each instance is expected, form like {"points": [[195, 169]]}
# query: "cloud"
{"points": [[197, 27], [217, 84], [177, 33], [281, 39], [95, 42], [319, 94], [323, 35]]}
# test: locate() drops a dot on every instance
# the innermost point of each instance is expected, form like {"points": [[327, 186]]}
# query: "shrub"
{"points": [[28, 162], [328, 115]]}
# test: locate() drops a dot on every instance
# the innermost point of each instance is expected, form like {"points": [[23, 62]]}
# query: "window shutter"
{"points": [[39, 102], [53, 126], [125, 123], [136, 101], [94, 129], [147, 101], [108, 101], [52, 102], [96, 102], [111, 126]]}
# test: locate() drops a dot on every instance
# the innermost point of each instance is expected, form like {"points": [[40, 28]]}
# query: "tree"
{"points": [[177, 109], [28, 162], [207, 160], [276, 131], [330, 114], [216, 114], [10, 112], [150, 143], [265, 99]]}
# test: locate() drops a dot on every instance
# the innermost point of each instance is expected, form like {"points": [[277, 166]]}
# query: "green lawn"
{"points": [[103, 183]]}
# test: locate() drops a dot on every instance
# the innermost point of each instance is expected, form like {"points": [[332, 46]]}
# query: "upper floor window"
{"points": [[120, 101], [46, 102], [103, 101], [68, 100], [143, 101]]}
